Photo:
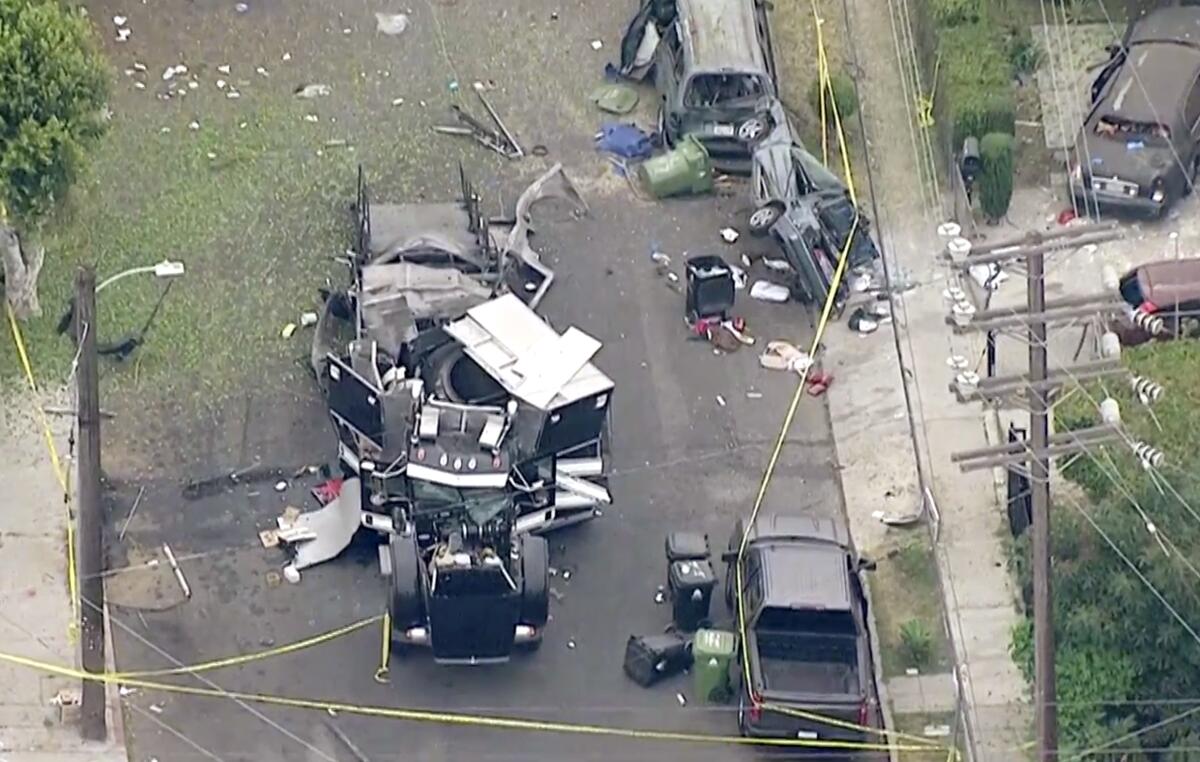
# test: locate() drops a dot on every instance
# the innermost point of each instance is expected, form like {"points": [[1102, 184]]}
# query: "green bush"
{"points": [[976, 85], [955, 12], [1024, 54], [996, 178], [845, 95], [916, 643]]}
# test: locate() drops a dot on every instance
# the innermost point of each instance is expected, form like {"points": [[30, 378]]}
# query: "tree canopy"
{"points": [[54, 88]]}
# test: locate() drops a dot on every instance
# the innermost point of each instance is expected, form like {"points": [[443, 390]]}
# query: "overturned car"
{"points": [[809, 212], [467, 424]]}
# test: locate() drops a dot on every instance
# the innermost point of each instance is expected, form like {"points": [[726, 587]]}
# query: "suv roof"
{"points": [[721, 36], [1175, 25], [1166, 283]]}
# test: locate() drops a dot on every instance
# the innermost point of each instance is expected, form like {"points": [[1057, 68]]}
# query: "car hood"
{"points": [[1132, 160]]}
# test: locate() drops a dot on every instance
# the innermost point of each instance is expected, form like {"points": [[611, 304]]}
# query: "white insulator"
{"points": [[948, 230], [1110, 411], [958, 248], [1148, 390], [963, 313], [969, 380], [1151, 456], [1148, 322], [1109, 277], [1110, 345]]}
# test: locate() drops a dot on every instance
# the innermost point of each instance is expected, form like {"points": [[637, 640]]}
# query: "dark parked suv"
{"points": [[1138, 147], [714, 69]]}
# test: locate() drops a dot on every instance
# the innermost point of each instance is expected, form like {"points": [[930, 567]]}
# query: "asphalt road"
{"points": [[689, 446]]}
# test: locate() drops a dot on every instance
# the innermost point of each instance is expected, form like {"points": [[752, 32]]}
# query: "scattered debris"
{"points": [[615, 98], [65, 698], [136, 502], [754, 395], [397, 101], [308, 319], [571, 644], [241, 7], [819, 382], [681, 699], [597, 44], [310, 118], [328, 491], [660, 595], [288, 330], [499, 140], [566, 574], [221, 84], [936, 731], [740, 279], [139, 85], [729, 235], [778, 265], [720, 400], [861, 322], [313, 91], [286, 57], [767, 291], [556, 594], [624, 140], [291, 573], [508, 136], [781, 355], [233, 94], [223, 68], [119, 20], [183, 585], [124, 691], [261, 71], [171, 72], [193, 125], [391, 24], [156, 708]]}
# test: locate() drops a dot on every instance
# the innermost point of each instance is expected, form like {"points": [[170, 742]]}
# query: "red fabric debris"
{"points": [[1065, 216], [818, 382], [328, 491]]}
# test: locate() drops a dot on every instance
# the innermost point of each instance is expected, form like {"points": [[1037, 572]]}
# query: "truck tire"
{"points": [[405, 604], [535, 585]]}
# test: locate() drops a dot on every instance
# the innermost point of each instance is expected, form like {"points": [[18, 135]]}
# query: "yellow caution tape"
{"points": [[452, 718], [385, 650], [59, 472], [234, 661]]}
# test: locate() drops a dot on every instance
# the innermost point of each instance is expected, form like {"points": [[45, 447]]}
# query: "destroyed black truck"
{"points": [[805, 649], [466, 424]]}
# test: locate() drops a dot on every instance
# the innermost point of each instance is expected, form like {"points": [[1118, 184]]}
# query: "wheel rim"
{"points": [[762, 218], [750, 130]]}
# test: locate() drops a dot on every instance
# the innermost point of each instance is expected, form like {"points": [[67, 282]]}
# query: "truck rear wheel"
{"points": [[404, 601], [535, 590]]}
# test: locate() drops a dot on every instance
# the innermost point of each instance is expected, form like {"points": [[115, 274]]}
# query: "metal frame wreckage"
{"points": [[467, 426]]}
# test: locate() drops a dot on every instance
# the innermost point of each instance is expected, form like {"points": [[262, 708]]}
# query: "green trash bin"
{"points": [[712, 653], [684, 169]]}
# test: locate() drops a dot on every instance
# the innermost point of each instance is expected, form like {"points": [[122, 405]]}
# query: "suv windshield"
{"points": [[708, 90], [1130, 131]]}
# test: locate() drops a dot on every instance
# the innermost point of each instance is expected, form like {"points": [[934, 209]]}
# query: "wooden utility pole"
{"points": [[1035, 387], [1039, 485], [91, 507]]}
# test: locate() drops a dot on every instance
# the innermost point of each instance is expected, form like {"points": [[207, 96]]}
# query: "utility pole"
{"points": [[91, 508], [1035, 388]]}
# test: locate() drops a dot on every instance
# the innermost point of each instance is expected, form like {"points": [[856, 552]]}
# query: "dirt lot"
{"points": [[216, 389]]}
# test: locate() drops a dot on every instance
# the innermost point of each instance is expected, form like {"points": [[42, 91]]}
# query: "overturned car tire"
{"points": [[764, 218]]}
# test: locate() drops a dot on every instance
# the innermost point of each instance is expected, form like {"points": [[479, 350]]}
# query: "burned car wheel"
{"points": [[404, 601], [763, 218], [752, 130]]}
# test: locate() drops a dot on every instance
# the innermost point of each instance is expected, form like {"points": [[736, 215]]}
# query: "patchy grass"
{"points": [[905, 587], [915, 724]]}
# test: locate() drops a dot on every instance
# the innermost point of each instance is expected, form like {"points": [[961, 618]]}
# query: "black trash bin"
{"points": [[650, 658], [691, 584], [686, 546], [710, 288]]}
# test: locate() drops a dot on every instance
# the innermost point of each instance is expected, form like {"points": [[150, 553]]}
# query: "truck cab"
{"points": [[805, 645]]}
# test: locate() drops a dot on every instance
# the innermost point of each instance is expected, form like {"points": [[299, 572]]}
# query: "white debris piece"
{"points": [[221, 84], [311, 118], [119, 20], [729, 235], [767, 291], [390, 24], [291, 574], [223, 68], [262, 71], [193, 125], [287, 56], [597, 44], [123, 34], [313, 91]]}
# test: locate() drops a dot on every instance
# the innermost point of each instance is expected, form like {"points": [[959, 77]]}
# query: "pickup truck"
{"points": [[805, 645]]}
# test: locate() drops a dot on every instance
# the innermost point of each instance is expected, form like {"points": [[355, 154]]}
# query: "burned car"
{"points": [[466, 424], [1138, 148], [808, 211], [714, 69]]}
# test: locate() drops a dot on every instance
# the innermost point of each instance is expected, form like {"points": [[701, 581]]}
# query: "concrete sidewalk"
{"points": [[35, 605], [871, 423]]}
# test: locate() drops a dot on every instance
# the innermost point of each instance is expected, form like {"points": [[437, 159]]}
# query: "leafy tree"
{"points": [[53, 88]]}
